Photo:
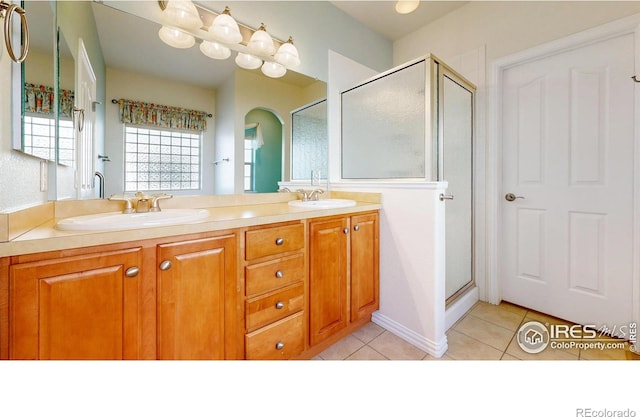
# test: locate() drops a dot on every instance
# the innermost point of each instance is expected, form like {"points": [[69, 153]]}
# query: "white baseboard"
{"points": [[460, 307], [433, 348]]}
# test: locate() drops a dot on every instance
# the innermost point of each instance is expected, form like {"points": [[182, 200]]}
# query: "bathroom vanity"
{"points": [[257, 279]]}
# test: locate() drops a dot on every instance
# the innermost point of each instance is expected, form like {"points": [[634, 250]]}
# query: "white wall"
{"points": [[142, 87], [19, 173], [224, 172]]}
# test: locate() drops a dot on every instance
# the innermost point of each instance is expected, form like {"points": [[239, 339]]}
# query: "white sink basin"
{"points": [[118, 220], [328, 203]]}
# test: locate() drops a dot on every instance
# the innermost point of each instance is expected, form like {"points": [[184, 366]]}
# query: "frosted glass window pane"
{"points": [[383, 126], [309, 143]]}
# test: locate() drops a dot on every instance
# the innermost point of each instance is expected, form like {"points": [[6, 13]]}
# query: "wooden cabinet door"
{"points": [[327, 278], [192, 278], [80, 307], [364, 265]]}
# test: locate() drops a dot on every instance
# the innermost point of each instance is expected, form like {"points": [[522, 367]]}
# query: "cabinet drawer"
{"points": [[268, 276], [274, 240], [281, 340], [274, 306]]}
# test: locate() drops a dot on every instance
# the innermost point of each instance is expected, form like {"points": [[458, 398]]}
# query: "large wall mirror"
{"points": [[309, 142], [131, 62]]}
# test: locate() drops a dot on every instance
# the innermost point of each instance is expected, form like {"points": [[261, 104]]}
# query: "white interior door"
{"points": [[568, 150], [84, 125]]}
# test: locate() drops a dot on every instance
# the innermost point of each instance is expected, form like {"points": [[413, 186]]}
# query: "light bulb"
{"points": [[215, 50], [261, 42], [287, 54], [248, 61], [175, 37], [273, 69], [407, 6], [225, 28]]}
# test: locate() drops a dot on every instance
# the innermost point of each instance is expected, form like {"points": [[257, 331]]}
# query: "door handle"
{"points": [[512, 197], [446, 197]]}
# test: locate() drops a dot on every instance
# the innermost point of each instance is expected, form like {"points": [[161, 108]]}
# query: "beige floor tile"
{"points": [[396, 348], [485, 332], [498, 314], [513, 308], [368, 332], [463, 347], [444, 357], [548, 354], [342, 349], [507, 357], [367, 354]]}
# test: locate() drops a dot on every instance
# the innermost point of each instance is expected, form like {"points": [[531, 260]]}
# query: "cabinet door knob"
{"points": [[165, 265], [356, 227], [132, 272], [279, 274], [346, 231], [280, 345], [279, 241], [279, 305]]}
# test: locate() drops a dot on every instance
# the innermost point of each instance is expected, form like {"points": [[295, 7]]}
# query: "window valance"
{"points": [[40, 99], [158, 115]]}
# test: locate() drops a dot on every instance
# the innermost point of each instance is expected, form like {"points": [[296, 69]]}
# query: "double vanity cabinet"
{"points": [[283, 290]]}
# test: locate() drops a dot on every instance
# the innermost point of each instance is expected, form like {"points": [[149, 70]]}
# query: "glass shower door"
{"points": [[456, 167]]}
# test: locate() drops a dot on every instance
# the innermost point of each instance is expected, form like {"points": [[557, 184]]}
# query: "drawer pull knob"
{"points": [[279, 305], [346, 231], [356, 228], [165, 265], [279, 274], [280, 345], [132, 272], [279, 241]]}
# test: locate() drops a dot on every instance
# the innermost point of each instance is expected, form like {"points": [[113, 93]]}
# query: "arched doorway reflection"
{"points": [[262, 151]]}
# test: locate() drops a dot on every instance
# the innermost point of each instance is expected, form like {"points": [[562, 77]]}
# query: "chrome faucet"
{"points": [[309, 195], [142, 204], [128, 202], [155, 201]]}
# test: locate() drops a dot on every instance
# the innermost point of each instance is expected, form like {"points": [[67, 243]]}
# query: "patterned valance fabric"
{"points": [[40, 99], [148, 114]]}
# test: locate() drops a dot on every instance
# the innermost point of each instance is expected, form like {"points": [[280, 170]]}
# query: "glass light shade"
{"points": [[407, 6], [176, 38], [182, 13], [215, 50], [248, 61], [225, 28], [261, 42], [273, 69], [287, 54]]}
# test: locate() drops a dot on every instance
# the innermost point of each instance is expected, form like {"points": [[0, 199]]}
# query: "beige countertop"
{"points": [[33, 230]]}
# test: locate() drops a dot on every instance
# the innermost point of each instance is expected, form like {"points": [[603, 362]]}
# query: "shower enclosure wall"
{"points": [[414, 123]]}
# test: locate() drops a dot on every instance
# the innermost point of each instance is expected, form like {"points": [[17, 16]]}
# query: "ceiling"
{"points": [[380, 16], [144, 53]]}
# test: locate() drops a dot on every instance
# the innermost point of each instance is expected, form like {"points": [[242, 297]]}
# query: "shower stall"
{"points": [[415, 124]]}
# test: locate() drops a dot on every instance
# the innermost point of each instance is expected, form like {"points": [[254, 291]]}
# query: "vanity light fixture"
{"points": [[407, 6], [220, 34], [225, 28], [215, 50], [176, 38]]}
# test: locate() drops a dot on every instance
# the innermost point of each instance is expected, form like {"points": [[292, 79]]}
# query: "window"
{"points": [[162, 159], [248, 164], [40, 138]]}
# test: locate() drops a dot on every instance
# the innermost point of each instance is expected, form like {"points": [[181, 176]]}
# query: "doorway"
{"points": [[565, 195], [263, 158]]}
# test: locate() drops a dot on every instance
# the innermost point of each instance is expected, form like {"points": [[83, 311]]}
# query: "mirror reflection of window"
{"points": [[309, 141]]}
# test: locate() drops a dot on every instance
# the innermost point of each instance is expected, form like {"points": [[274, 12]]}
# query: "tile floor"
{"points": [[486, 332]]}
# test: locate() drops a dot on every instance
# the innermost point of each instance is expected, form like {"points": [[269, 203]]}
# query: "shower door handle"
{"points": [[446, 197]]}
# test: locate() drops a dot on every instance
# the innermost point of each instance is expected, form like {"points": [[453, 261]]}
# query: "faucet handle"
{"points": [[303, 193], [128, 204], [155, 198]]}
